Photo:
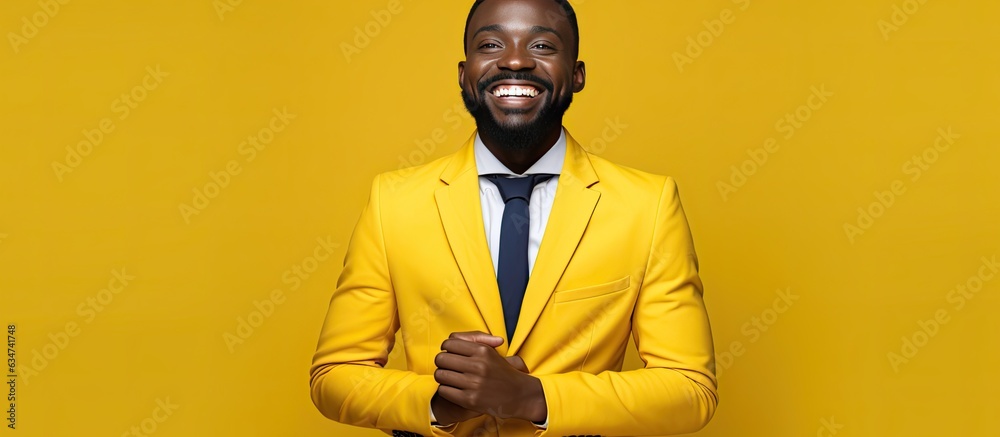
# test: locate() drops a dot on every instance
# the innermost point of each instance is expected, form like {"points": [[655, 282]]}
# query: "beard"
{"points": [[516, 136]]}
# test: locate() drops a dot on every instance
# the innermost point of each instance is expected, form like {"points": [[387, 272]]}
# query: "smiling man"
{"points": [[517, 269]]}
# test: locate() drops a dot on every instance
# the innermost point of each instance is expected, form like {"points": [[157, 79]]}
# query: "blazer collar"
{"points": [[460, 208]]}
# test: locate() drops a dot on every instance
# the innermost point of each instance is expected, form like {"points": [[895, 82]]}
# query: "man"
{"points": [[444, 252]]}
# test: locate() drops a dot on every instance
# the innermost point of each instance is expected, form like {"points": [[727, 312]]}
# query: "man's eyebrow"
{"points": [[543, 29], [489, 28], [534, 29]]}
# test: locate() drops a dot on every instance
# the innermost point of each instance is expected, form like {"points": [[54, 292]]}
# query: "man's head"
{"points": [[568, 14], [521, 68]]}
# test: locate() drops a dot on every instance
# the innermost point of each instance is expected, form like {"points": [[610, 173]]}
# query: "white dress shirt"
{"points": [[539, 207]]}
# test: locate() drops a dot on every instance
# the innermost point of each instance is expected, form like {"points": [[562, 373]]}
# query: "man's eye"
{"points": [[489, 45], [542, 46]]}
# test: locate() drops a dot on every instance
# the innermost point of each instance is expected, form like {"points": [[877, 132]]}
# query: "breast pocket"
{"points": [[591, 291]]}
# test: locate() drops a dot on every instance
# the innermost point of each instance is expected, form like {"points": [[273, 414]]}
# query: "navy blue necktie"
{"points": [[512, 267]]}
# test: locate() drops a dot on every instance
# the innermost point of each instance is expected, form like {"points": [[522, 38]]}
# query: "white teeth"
{"points": [[515, 91]]}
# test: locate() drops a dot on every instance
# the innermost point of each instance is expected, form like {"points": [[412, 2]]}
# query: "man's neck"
{"points": [[521, 159]]}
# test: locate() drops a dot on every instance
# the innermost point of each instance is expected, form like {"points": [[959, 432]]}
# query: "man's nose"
{"points": [[515, 58]]}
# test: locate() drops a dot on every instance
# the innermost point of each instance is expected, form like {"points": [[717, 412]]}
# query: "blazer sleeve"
{"points": [[676, 391], [347, 379]]}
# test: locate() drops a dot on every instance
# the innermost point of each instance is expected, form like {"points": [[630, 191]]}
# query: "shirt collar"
{"points": [[551, 162]]}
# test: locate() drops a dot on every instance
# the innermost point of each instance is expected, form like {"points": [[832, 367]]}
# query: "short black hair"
{"points": [[568, 8]]}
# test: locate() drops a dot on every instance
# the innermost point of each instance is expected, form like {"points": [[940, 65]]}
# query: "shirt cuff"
{"points": [[434, 422]]}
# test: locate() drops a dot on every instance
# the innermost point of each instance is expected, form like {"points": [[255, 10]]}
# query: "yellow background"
{"points": [[823, 359]]}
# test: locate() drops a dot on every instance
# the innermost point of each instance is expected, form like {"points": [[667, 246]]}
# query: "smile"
{"points": [[508, 91]]}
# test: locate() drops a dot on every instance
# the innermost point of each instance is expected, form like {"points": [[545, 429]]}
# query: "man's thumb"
{"points": [[479, 337], [517, 363]]}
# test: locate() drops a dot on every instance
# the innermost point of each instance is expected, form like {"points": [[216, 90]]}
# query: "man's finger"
{"points": [[458, 363], [516, 362], [478, 337], [466, 348], [454, 395], [451, 379]]}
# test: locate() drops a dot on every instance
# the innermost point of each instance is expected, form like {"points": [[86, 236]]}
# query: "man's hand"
{"points": [[475, 377], [517, 363], [447, 412]]}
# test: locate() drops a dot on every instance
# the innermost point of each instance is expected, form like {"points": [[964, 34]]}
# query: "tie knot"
{"points": [[517, 188]]}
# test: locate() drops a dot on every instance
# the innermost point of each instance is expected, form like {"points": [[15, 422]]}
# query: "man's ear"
{"points": [[461, 73], [579, 76]]}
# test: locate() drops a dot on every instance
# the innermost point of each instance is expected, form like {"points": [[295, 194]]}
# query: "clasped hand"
{"points": [[475, 380]]}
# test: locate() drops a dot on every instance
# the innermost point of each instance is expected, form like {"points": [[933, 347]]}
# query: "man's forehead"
{"points": [[542, 15]]}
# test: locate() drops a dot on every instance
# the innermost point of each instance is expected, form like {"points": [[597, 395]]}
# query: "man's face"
{"points": [[520, 71]]}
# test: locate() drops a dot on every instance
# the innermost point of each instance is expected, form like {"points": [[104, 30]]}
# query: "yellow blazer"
{"points": [[616, 259]]}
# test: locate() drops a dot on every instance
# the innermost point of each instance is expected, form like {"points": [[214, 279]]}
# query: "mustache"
{"points": [[513, 75]]}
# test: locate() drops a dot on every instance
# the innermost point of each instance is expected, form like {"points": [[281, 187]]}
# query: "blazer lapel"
{"points": [[571, 211], [460, 208]]}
